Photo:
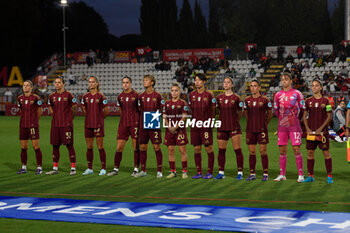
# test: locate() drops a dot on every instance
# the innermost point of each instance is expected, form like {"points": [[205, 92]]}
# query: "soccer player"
{"points": [[95, 109], [202, 104], [128, 125], [258, 111], [176, 110], [288, 104], [230, 111], [62, 106], [150, 101], [317, 116], [30, 109]]}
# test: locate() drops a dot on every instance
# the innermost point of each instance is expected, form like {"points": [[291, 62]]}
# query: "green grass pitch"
{"points": [[289, 194]]}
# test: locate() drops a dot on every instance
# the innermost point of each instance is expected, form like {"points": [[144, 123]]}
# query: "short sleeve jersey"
{"points": [[62, 108], [288, 105], [94, 105], [201, 105], [128, 103], [256, 109], [150, 102], [229, 107], [175, 111], [317, 112], [29, 106]]}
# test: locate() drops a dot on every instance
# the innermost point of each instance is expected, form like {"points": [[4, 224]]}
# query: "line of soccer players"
{"points": [[288, 104]]}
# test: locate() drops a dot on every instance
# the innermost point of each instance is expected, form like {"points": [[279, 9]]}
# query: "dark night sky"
{"points": [[122, 16]]}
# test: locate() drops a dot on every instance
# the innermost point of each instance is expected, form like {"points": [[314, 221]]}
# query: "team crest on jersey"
{"points": [[59, 99], [316, 105], [199, 98], [286, 98], [178, 106], [226, 101], [292, 98], [261, 103], [97, 100], [148, 99], [172, 106], [133, 98], [92, 100], [126, 99], [323, 105], [254, 103], [154, 99], [232, 101], [32, 102], [205, 99], [26, 102]]}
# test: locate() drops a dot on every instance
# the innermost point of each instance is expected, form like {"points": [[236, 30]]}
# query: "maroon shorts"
{"points": [[227, 134], [94, 132], [312, 145], [146, 134], [61, 135], [202, 136], [177, 139], [257, 138], [29, 133], [125, 131]]}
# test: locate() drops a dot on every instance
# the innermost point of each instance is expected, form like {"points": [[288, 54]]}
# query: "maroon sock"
{"points": [[39, 157], [159, 157], [265, 163], [328, 166], [239, 159], [103, 158], [71, 152], [90, 157], [222, 159], [24, 156], [310, 166], [198, 162], [252, 163], [172, 166], [211, 159], [184, 166], [136, 158], [56, 154], [117, 159], [143, 160]]}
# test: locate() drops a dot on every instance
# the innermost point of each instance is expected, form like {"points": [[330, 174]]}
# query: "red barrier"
{"points": [[189, 54], [13, 110]]}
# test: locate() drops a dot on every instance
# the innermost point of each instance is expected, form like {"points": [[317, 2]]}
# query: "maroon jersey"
{"points": [[62, 108], [29, 106], [128, 103], [201, 105], [229, 107], [94, 105], [256, 109], [174, 111], [317, 109], [150, 103]]}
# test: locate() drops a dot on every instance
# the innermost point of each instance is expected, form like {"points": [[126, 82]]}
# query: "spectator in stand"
{"points": [[326, 76], [347, 49], [264, 62], [342, 56], [252, 54], [227, 55], [289, 58], [149, 54], [300, 51], [332, 86], [307, 50], [339, 117], [251, 73], [92, 54], [71, 78], [313, 49], [306, 65], [8, 95], [341, 49], [280, 52], [89, 60], [331, 57], [111, 54]]}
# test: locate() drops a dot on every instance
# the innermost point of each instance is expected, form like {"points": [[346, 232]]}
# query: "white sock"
{"points": [[40, 168], [136, 169], [55, 168], [24, 167], [240, 173], [222, 172]]}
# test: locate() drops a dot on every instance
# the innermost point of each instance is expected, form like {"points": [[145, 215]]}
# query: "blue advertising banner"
{"points": [[172, 215]]}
